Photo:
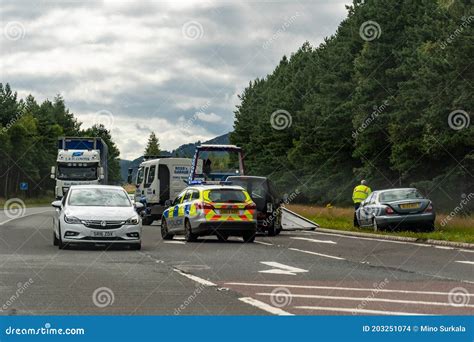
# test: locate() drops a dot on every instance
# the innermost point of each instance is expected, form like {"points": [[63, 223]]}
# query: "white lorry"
{"points": [[80, 161], [157, 181]]}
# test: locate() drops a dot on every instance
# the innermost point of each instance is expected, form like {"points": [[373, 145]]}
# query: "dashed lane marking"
{"points": [[265, 307], [314, 240], [318, 254]]}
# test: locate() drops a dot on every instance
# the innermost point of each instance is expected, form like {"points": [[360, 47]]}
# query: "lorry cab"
{"points": [[159, 180]]}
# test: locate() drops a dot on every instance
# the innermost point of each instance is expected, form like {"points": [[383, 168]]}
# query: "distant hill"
{"points": [[183, 151]]}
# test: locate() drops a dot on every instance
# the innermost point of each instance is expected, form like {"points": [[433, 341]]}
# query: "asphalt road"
{"points": [[303, 273]]}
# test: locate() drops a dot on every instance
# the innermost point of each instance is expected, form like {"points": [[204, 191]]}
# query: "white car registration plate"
{"points": [[102, 234]]}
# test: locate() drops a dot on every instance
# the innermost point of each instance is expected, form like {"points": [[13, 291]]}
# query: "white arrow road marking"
{"points": [[264, 243], [281, 268], [465, 262], [176, 242], [264, 306], [195, 278], [318, 254], [314, 240]]}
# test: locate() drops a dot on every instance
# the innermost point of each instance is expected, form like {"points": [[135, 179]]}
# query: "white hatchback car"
{"points": [[96, 214]]}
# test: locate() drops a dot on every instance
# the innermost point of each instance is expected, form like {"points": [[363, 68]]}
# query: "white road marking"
{"points": [[26, 215], [195, 278], [465, 262], [443, 247], [265, 307], [314, 240], [362, 311], [281, 268], [318, 254], [373, 239], [176, 242], [361, 299], [264, 243], [345, 288]]}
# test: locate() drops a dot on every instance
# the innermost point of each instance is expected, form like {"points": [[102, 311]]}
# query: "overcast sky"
{"points": [[172, 67]]}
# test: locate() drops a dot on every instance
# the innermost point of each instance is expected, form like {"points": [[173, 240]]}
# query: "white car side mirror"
{"points": [[56, 204]]}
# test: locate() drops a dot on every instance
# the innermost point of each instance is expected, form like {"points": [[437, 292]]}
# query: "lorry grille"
{"points": [[103, 224]]}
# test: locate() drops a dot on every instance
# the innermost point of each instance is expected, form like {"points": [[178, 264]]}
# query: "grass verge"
{"points": [[459, 228]]}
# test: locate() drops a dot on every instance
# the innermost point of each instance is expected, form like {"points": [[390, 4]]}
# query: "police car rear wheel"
{"points": [[188, 234], [249, 237], [164, 231], [222, 237]]}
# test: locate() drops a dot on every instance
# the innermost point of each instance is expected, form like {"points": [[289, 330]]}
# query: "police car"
{"points": [[220, 210]]}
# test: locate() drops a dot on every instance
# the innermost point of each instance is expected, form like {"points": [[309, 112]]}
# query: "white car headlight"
{"points": [[71, 219], [133, 220]]}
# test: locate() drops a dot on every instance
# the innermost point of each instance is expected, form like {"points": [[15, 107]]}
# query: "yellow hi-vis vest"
{"points": [[361, 192]]}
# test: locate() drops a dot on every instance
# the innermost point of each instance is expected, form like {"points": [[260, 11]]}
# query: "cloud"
{"points": [[134, 59]]}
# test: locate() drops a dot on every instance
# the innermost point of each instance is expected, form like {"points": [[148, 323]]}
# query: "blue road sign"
{"points": [[23, 186]]}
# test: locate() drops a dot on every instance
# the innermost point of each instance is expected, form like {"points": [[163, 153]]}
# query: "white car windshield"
{"points": [[97, 197]]}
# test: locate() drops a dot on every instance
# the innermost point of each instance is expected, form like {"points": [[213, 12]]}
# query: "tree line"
{"points": [[387, 98], [29, 132]]}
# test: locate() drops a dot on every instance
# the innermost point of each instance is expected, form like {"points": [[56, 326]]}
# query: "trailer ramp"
{"points": [[293, 221]]}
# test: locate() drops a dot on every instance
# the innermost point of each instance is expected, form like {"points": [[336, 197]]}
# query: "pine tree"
{"points": [[153, 146]]}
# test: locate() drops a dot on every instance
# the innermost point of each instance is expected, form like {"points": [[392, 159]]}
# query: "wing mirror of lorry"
{"points": [[56, 204], [101, 173], [129, 176], [53, 172], [168, 203]]}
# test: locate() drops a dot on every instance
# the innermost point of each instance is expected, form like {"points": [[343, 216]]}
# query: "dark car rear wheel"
{"points": [[189, 236], [164, 231], [272, 230]]}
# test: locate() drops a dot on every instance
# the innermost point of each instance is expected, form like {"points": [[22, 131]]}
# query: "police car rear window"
{"points": [[226, 196]]}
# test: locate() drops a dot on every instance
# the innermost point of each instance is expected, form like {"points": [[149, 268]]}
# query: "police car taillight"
{"points": [[204, 205]]}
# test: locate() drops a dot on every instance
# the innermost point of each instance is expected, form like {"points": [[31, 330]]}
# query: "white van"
{"points": [[159, 180]]}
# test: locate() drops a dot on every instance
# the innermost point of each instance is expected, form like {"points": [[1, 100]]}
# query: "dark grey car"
{"points": [[397, 208]]}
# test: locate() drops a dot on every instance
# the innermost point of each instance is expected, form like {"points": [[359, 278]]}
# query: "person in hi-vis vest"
{"points": [[360, 193]]}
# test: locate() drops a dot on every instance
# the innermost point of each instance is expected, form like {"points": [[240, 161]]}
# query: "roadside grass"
{"points": [[29, 202], [459, 228], [129, 188]]}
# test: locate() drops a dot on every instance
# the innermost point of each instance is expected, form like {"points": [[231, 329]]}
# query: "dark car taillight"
{"points": [[429, 208], [251, 206], [389, 211]]}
